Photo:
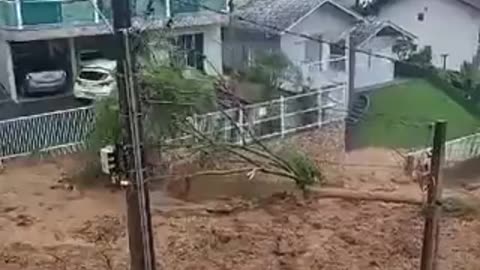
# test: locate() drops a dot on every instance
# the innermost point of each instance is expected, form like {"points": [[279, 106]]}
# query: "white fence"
{"points": [[59, 130], [68, 129], [275, 118], [456, 151]]}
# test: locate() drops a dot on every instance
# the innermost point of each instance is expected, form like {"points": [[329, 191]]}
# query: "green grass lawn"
{"points": [[399, 116]]}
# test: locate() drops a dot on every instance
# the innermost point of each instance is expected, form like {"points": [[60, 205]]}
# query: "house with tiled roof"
{"points": [[286, 26], [450, 27]]}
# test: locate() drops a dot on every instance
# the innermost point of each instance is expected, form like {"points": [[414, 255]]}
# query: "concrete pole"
{"points": [[10, 83], [73, 57]]}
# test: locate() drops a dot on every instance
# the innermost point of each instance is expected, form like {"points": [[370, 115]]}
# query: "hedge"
{"points": [[432, 75]]}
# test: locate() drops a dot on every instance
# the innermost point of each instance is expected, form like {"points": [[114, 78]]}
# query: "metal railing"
{"points": [[275, 118], [43, 132], [66, 130], [326, 72], [456, 151], [20, 14]]}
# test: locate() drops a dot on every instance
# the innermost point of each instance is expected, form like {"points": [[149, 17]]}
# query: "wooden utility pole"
{"points": [[351, 72], [350, 87], [434, 197], [140, 236]]}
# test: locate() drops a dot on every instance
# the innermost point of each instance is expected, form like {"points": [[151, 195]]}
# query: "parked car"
{"points": [[44, 83], [96, 79]]}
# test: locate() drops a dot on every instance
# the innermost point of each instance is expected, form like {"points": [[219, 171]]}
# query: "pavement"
{"points": [[26, 107]]}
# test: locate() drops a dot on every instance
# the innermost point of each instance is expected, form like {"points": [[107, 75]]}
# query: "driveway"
{"points": [[10, 109]]}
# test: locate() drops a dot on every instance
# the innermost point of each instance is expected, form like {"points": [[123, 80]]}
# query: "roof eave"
{"points": [[342, 8]]}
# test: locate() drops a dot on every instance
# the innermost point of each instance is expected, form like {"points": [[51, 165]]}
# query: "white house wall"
{"points": [[448, 26], [327, 21], [7, 78], [212, 44], [371, 70]]}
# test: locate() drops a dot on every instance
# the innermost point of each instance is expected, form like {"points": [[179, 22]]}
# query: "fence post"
{"points": [[282, 116], [240, 126], [226, 127], [434, 197], [320, 109], [195, 126]]}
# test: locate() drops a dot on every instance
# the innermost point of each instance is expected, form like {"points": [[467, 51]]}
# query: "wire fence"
{"points": [[57, 130]]}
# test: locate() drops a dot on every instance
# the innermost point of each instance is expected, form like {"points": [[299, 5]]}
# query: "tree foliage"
{"points": [[271, 70], [107, 125], [172, 95], [408, 51], [168, 96], [370, 7]]}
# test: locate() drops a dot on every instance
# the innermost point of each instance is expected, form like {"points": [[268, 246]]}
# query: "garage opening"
{"points": [[42, 68]]}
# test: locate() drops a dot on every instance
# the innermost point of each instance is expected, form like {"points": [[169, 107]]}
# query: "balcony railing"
{"points": [[20, 14], [166, 8]]}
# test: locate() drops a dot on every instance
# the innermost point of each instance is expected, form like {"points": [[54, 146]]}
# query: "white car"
{"points": [[96, 79]]}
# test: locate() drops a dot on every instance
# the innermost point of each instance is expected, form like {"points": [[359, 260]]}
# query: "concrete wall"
{"points": [[448, 26], [327, 21], [7, 78], [371, 70]]}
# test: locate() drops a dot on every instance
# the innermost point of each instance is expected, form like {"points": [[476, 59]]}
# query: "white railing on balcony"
{"points": [[318, 74], [22, 13]]}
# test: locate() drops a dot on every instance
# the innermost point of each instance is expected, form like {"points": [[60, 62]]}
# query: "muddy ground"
{"points": [[46, 223]]}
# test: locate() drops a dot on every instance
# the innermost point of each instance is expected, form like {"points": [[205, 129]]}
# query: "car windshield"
{"points": [[92, 75]]}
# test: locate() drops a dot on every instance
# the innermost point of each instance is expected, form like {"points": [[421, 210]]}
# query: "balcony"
{"points": [[20, 14], [28, 14], [162, 9]]}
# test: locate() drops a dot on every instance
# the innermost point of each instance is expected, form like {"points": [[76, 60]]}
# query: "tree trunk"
{"points": [[388, 197]]}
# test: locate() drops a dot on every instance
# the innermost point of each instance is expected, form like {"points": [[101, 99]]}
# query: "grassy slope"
{"points": [[398, 116]]}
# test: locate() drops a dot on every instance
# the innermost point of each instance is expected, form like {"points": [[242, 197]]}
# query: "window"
{"points": [[91, 75], [189, 51], [338, 49], [421, 16]]}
